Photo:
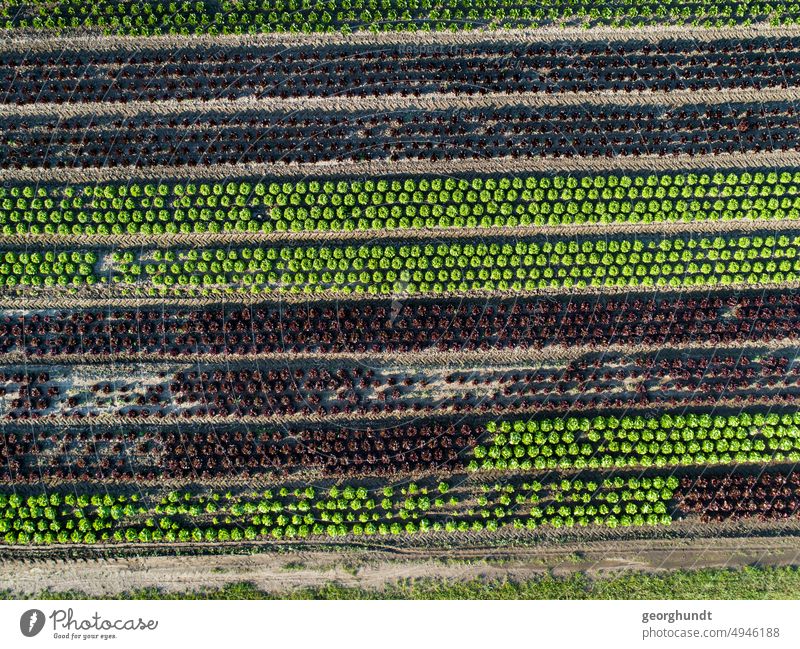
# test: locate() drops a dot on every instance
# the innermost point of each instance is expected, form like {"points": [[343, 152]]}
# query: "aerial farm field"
{"points": [[401, 283]]}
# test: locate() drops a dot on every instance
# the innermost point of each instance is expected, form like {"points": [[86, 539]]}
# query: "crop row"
{"points": [[415, 326], [70, 517], [144, 18], [600, 442], [767, 496], [78, 517], [610, 442], [407, 269], [272, 137], [409, 70], [343, 206], [150, 455], [168, 391]]}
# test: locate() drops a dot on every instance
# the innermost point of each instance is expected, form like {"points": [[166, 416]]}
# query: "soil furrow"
{"points": [[433, 101], [432, 357], [55, 301], [344, 418], [650, 33], [506, 165]]}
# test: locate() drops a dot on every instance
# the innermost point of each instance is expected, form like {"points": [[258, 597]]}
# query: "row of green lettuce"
{"points": [[320, 205], [528, 264], [610, 442], [76, 516]]}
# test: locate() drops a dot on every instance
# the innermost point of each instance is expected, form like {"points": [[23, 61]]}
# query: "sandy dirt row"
{"points": [[386, 103], [450, 358], [106, 299], [344, 418], [652, 33], [699, 228], [506, 165]]}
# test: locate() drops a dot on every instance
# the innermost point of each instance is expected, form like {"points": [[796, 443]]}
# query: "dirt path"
{"points": [[650, 33], [105, 298], [506, 165], [773, 400], [430, 357], [280, 572], [168, 240]]}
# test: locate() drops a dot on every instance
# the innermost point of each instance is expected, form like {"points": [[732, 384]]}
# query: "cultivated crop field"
{"points": [[396, 274]]}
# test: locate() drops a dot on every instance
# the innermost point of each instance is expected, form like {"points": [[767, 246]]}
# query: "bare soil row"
{"points": [[44, 43], [389, 103], [105, 298], [498, 165], [450, 358]]}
